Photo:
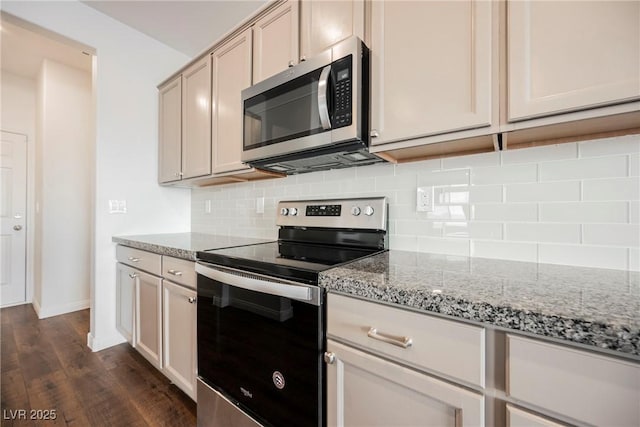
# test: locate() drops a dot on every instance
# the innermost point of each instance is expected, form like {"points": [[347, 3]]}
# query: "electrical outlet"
{"points": [[260, 205], [424, 199], [117, 206], [207, 206]]}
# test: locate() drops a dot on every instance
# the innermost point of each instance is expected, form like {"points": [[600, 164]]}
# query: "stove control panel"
{"points": [[361, 213]]}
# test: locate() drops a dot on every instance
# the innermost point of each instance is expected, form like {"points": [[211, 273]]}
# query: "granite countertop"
{"points": [[183, 245], [588, 306]]}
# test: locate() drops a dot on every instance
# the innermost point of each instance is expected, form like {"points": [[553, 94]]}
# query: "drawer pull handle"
{"points": [[133, 275], [192, 300], [175, 272], [403, 342], [132, 259]]}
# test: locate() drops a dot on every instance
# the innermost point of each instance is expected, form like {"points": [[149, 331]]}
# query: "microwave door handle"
{"points": [[323, 102]]}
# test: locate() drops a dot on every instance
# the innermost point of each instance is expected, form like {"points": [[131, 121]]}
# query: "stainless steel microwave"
{"points": [[312, 116]]}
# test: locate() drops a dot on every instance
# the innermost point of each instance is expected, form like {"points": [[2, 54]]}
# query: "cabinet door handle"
{"points": [[133, 275], [175, 272], [397, 340], [132, 259], [192, 300], [329, 357], [374, 133], [291, 63]]}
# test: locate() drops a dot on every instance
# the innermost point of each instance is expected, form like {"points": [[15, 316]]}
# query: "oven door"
{"points": [[260, 344]]}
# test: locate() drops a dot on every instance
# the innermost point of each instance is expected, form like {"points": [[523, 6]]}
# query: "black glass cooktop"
{"points": [[294, 261]]}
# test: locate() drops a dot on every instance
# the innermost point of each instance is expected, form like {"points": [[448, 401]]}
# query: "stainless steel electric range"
{"points": [[261, 315]]}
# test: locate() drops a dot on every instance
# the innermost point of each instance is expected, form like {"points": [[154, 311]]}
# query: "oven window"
{"points": [[250, 344], [285, 112]]}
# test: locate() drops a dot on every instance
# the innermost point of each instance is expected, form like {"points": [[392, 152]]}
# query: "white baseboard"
{"points": [[15, 304], [44, 312], [36, 307], [97, 344]]}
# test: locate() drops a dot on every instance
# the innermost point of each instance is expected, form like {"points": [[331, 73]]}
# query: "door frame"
{"points": [[30, 217]]}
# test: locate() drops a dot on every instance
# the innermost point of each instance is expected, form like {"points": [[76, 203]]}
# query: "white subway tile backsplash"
{"points": [[598, 167], [418, 167], [610, 146], [543, 192], [374, 171], [485, 194], [505, 212], [611, 189], [419, 228], [474, 160], [543, 232], [634, 259], [627, 235], [504, 250], [634, 212], [447, 212], [399, 182], [444, 246], [403, 243], [634, 165], [581, 212], [474, 230], [451, 195], [582, 255], [504, 174], [338, 174], [453, 177], [540, 154]]}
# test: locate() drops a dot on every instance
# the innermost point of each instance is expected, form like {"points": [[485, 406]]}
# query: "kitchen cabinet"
{"points": [[381, 361], [184, 124], [568, 383], [126, 298], [517, 417], [276, 40], [325, 23], [170, 131], [179, 336], [434, 71], [156, 312], [231, 74], [571, 55], [148, 334]]}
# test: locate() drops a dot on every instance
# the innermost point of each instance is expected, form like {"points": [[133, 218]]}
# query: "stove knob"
{"points": [[355, 211], [293, 211], [284, 211], [368, 211]]}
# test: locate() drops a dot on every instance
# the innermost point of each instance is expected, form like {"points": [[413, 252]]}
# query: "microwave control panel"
{"points": [[342, 76]]}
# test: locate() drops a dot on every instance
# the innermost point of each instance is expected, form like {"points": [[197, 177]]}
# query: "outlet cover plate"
{"points": [[424, 199]]}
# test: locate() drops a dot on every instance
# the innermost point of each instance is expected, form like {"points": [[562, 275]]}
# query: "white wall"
{"points": [[574, 204], [63, 189], [129, 66], [18, 114]]}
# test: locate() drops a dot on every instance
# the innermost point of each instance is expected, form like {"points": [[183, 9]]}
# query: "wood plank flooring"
{"points": [[46, 365]]}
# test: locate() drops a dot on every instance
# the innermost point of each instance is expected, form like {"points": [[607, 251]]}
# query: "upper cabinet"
{"points": [[571, 55], [184, 124], [231, 73], [325, 23], [275, 44], [433, 66]]}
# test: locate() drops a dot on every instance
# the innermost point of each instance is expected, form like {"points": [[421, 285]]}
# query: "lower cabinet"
{"points": [[148, 334], [179, 336], [517, 417], [156, 312], [363, 389]]}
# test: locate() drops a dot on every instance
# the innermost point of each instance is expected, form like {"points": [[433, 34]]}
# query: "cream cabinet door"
{"points": [[179, 336], [363, 390], [432, 65], [518, 418], [275, 44], [196, 119], [125, 300], [148, 334], [571, 55], [231, 73], [170, 131], [325, 23]]}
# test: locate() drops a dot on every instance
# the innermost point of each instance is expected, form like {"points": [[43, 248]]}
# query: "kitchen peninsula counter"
{"points": [[596, 308], [183, 245]]}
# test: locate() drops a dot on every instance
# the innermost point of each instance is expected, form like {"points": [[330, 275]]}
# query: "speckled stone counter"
{"points": [[183, 245], [593, 307]]}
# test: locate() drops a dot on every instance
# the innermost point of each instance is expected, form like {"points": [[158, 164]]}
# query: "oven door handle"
{"points": [[259, 283]]}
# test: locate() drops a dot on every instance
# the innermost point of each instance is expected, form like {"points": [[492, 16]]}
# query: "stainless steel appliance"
{"points": [[313, 116], [261, 315]]}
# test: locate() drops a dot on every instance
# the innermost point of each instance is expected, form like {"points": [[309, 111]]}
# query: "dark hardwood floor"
{"points": [[46, 366]]}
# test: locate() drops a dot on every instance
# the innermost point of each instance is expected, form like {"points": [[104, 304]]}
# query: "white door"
{"points": [[13, 204]]}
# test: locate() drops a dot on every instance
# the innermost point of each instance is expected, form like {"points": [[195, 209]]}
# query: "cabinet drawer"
{"points": [[585, 386], [180, 271], [136, 258], [516, 417], [452, 349]]}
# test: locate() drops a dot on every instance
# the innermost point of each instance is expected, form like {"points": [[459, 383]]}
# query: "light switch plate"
{"points": [[424, 199], [117, 206]]}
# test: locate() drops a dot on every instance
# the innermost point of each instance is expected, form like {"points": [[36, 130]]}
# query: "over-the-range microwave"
{"points": [[312, 116]]}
